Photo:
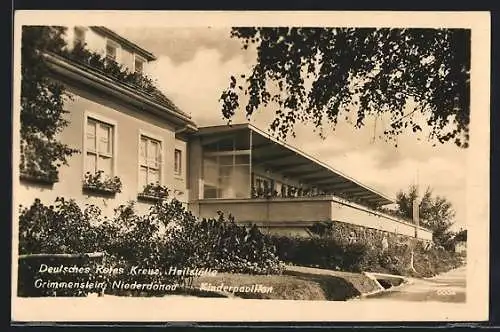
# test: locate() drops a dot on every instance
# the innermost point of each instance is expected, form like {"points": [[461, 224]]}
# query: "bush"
{"points": [[223, 245], [320, 252], [345, 247], [58, 228], [167, 236]]}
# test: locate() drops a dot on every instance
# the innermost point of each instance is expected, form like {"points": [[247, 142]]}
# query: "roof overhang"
{"points": [[280, 157], [84, 76]]}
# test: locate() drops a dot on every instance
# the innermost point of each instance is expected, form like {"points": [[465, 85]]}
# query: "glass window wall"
{"points": [[226, 170]]}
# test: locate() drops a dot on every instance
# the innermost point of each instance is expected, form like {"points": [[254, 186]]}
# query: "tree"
{"points": [[435, 213], [319, 75], [42, 105]]}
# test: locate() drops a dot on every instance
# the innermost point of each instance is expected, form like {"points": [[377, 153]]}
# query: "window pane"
{"points": [[105, 139], [105, 165], [90, 162], [143, 171], [151, 150], [110, 52], [142, 151], [242, 159], [138, 65], [153, 176], [226, 144], [209, 191], [177, 161], [210, 174], [225, 170], [226, 188], [226, 160], [153, 153], [210, 170], [157, 155], [91, 136], [240, 180]]}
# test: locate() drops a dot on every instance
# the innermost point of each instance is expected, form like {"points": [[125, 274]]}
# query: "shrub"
{"points": [[58, 228], [235, 248], [320, 252], [341, 246], [167, 236]]}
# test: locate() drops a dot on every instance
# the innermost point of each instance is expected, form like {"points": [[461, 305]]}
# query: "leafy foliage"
{"points": [[321, 75], [99, 181], [435, 213], [167, 236], [344, 247], [42, 105], [137, 80], [155, 190], [59, 228], [237, 248], [461, 235]]}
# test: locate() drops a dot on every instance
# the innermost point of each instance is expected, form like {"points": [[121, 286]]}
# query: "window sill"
{"points": [[179, 178], [149, 198], [41, 179], [98, 190]]}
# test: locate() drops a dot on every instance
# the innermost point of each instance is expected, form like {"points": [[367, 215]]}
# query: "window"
{"points": [[263, 186], [111, 50], [177, 162], [226, 168], [99, 147], [149, 161], [79, 38], [226, 175], [138, 64]]}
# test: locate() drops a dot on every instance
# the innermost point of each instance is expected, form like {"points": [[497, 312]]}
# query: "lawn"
{"points": [[296, 284]]}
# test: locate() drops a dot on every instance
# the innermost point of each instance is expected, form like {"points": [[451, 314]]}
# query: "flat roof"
{"points": [[288, 160]]}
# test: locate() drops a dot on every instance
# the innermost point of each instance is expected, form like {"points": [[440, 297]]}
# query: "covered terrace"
{"points": [[259, 179]]}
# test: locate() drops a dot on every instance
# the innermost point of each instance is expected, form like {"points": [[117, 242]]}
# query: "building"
{"points": [[130, 130]]}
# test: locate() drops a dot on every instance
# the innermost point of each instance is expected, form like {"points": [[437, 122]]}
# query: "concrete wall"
{"points": [[289, 213], [195, 172], [357, 215], [129, 122], [277, 211]]}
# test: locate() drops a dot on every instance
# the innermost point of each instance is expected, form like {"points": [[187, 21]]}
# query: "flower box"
{"points": [[154, 192], [149, 198], [38, 178], [100, 190], [102, 184]]}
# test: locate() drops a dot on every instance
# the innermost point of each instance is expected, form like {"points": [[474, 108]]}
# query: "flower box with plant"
{"points": [[98, 182], [154, 192]]}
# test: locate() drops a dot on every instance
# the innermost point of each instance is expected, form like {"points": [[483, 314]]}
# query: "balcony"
{"points": [[305, 211]]}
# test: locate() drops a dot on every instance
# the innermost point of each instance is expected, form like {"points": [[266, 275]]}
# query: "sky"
{"points": [[194, 66]]}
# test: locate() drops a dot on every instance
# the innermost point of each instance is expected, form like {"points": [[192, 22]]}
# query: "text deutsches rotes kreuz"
{"points": [[136, 270]]}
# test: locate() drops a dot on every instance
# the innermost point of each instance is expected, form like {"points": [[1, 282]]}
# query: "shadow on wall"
{"points": [[39, 187]]}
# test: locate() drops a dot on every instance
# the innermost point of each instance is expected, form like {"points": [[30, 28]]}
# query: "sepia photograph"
{"points": [[220, 166]]}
